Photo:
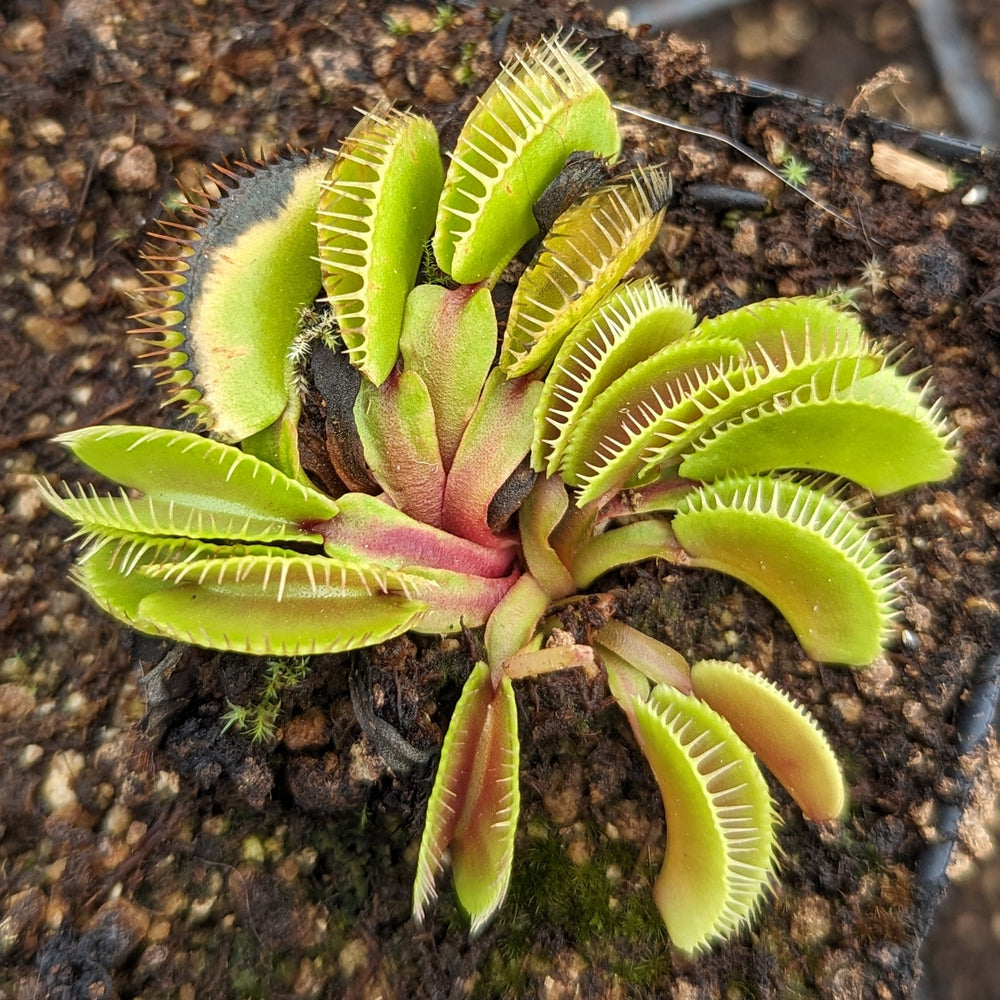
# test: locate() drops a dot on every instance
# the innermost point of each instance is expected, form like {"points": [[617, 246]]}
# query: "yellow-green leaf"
{"points": [[781, 732], [720, 852], [543, 106]]}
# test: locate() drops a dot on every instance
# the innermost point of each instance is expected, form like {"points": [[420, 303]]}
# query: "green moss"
{"points": [[795, 172], [259, 718], [445, 16], [253, 971], [356, 853], [601, 909]]}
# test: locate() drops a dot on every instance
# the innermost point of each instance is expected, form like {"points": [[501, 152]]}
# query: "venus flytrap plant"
{"points": [[488, 480]]}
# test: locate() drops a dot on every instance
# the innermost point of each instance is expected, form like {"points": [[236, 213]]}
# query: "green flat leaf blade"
{"points": [[583, 257], [275, 606], [250, 599], [629, 325], [398, 432], [449, 339], [776, 365], [605, 446], [193, 486], [251, 270], [798, 326], [108, 570]]}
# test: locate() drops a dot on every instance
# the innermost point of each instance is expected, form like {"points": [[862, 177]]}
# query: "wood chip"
{"points": [[911, 170]]}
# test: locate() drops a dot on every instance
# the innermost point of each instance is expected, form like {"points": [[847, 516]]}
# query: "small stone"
{"points": [[700, 162], [24, 35], [75, 295], [159, 930], [215, 826], [16, 702], [310, 979], [134, 170], [57, 791], [35, 168], [309, 731], [252, 849], [116, 931], [753, 178], [201, 120], [27, 505], [745, 238], [632, 824], [383, 63], [977, 195], [41, 293], [116, 820], [915, 713], [136, 833], [223, 87], [337, 67], [200, 910], [48, 131], [439, 89], [31, 754], [353, 958], [416, 19], [72, 173], [47, 203], [618, 19], [187, 75], [564, 795], [151, 961], [366, 766], [850, 706], [785, 254], [21, 920], [579, 851]]}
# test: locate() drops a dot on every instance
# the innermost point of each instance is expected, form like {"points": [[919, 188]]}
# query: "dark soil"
{"points": [[150, 854]]}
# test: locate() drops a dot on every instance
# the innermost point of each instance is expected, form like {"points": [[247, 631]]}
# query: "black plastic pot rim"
{"points": [[975, 719], [948, 149]]}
